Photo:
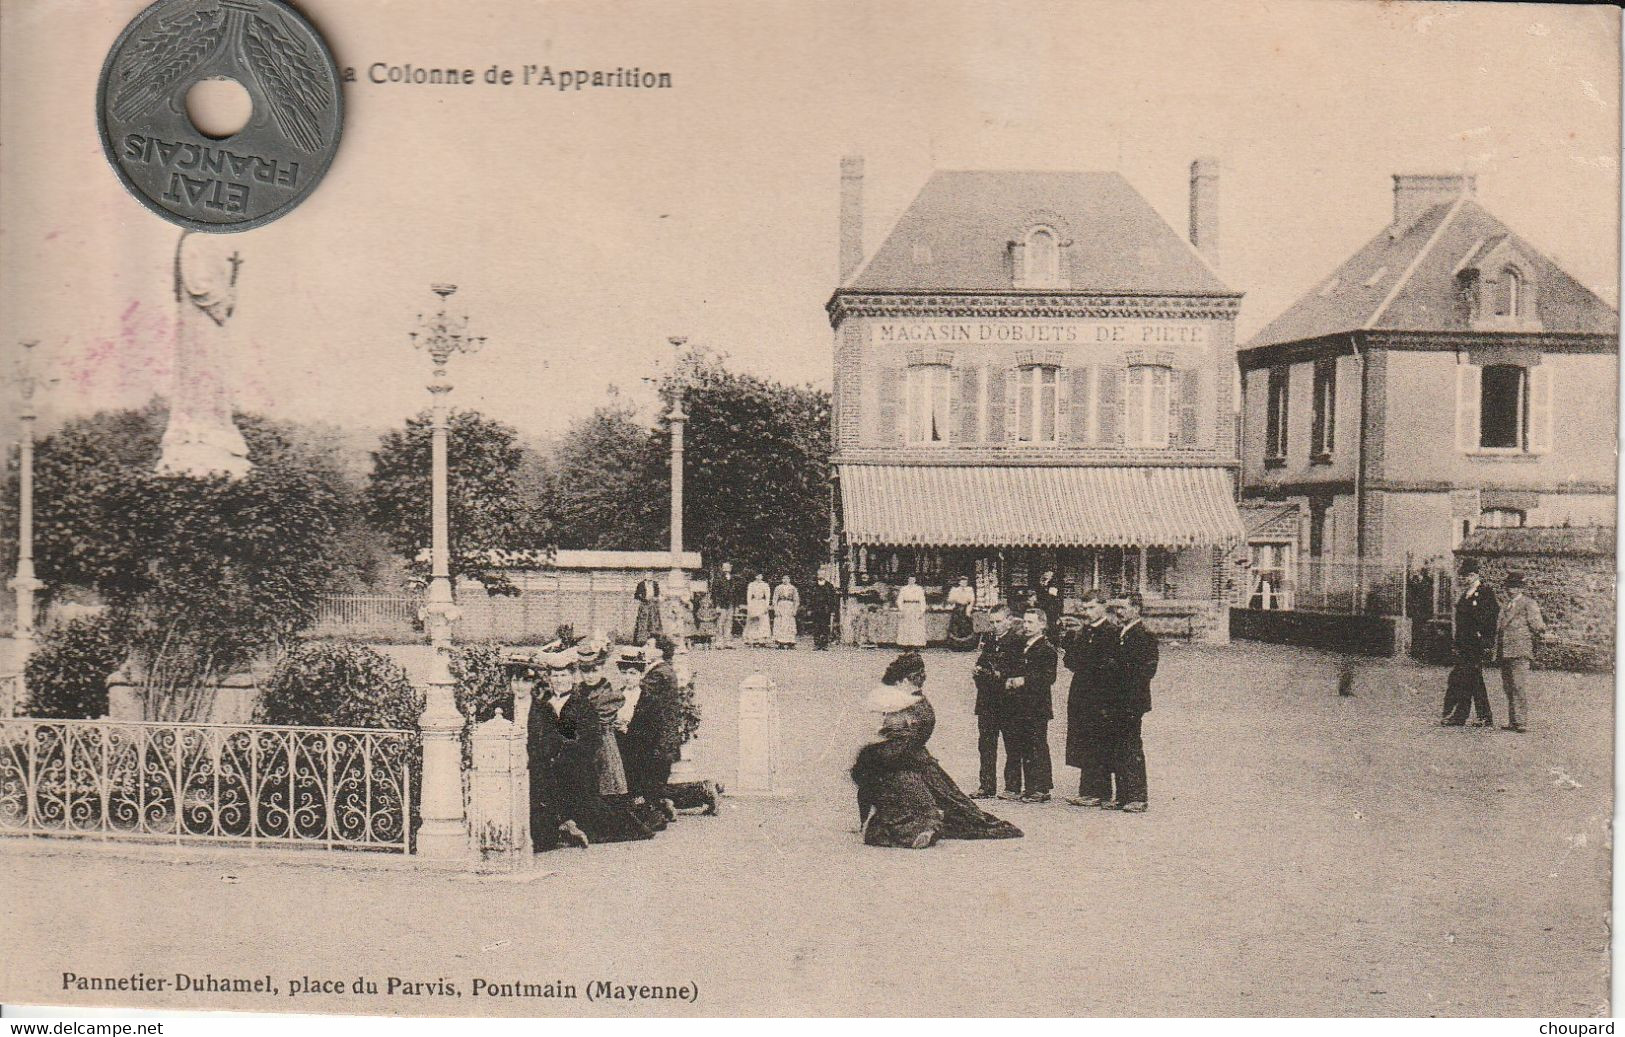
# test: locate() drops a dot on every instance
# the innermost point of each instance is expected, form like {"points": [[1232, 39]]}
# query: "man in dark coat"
{"points": [[1090, 651], [1127, 700], [1048, 598], [1027, 772], [822, 604], [997, 651], [726, 594], [1476, 615]]}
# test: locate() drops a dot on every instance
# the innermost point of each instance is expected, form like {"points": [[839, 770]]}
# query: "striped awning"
{"points": [[1015, 506]]}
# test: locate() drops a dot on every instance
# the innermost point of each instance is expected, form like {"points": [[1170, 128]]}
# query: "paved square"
{"points": [[1304, 854]]}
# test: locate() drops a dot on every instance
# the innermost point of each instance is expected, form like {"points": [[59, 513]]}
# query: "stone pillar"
{"points": [[758, 738], [519, 748], [492, 801]]}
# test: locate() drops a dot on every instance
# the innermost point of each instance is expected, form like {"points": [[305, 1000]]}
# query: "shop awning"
{"points": [[1015, 506]]}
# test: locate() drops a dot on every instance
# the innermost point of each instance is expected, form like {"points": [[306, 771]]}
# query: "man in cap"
{"points": [[1517, 628], [1127, 700], [998, 650], [726, 591], [1476, 612]]}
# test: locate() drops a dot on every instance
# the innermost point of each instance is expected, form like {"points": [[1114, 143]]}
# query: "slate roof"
{"points": [[963, 222], [1408, 283]]}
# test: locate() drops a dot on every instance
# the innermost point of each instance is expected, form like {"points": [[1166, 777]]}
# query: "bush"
{"points": [[335, 684], [482, 686], [67, 674]]}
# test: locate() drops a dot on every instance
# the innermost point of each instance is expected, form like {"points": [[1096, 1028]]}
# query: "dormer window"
{"points": [[1509, 296], [1038, 259]]}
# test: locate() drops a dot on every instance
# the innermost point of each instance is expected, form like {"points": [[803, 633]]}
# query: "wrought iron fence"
{"points": [[1329, 585], [328, 787]]}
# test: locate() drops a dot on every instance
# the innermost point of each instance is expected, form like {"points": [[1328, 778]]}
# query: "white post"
{"points": [[24, 583], [444, 832], [758, 738], [520, 749]]}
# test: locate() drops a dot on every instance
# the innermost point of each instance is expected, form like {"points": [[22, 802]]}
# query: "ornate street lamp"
{"points": [[678, 418], [442, 833], [24, 583]]}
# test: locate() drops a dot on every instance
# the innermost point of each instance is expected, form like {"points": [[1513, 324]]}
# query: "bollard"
{"points": [[758, 738], [492, 807]]}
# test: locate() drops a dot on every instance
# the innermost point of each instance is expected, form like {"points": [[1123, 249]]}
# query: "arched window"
{"points": [[1146, 400], [1509, 297], [1042, 257], [927, 393]]}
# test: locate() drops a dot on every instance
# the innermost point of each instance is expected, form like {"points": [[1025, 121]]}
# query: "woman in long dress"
{"points": [[648, 623], [786, 603], [911, 615], [758, 606], [607, 701], [961, 629], [905, 798]]}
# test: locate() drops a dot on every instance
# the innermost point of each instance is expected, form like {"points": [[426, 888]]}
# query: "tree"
{"points": [[756, 473], [200, 574], [756, 470], [485, 503], [610, 485]]}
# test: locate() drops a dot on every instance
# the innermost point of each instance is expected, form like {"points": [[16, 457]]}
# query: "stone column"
{"points": [[24, 583]]}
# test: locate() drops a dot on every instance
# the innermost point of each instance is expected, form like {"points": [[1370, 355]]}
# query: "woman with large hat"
{"points": [[905, 798], [565, 739]]}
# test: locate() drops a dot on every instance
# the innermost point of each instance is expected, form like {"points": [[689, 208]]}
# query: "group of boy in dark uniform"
{"points": [[1112, 658]]}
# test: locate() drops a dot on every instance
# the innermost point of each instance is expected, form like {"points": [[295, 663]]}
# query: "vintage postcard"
{"points": [[809, 508]]}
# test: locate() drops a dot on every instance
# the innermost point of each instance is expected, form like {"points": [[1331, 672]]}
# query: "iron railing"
{"points": [[326, 787]]}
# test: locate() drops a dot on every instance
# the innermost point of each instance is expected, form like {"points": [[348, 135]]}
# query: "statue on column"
{"points": [[201, 439]]}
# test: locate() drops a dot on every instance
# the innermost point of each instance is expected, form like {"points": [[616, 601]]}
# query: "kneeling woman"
{"points": [[905, 798]]}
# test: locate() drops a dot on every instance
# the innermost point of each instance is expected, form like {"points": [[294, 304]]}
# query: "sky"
{"points": [[584, 229]]}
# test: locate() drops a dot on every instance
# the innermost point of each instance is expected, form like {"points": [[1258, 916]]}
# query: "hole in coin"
{"points": [[218, 107]]}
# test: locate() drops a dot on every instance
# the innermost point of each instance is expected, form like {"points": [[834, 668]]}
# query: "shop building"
{"points": [[1035, 372]]}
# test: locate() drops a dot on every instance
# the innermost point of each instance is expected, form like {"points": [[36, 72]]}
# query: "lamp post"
{"points": [[443, 832], [24, 583], [678, 419]]}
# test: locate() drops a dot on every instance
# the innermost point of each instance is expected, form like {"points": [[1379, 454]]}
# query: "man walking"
{"points": [[1516, 629], [998, 649], [1475, 630], [725, 593], [1027, 774], [1127, 700], [1089, 655]]}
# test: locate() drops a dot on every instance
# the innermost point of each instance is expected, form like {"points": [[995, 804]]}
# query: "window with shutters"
{"points": [[926, 395], [1038, 403], [1146, 406], [1275, 414], [1323, 432], [1503, 407]]}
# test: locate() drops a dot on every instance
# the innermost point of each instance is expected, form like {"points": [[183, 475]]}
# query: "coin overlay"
{"points": [[229, 183]]}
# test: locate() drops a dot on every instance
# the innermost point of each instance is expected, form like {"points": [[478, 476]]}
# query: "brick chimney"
{"points": [[1205, 209], [1416, 193], [851, 216]]}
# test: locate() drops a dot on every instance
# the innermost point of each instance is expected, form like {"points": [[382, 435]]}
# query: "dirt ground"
{"points": [[1304, 854]]}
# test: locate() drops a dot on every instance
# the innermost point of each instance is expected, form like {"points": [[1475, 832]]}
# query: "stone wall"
{"points": [[1570, 574]]}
